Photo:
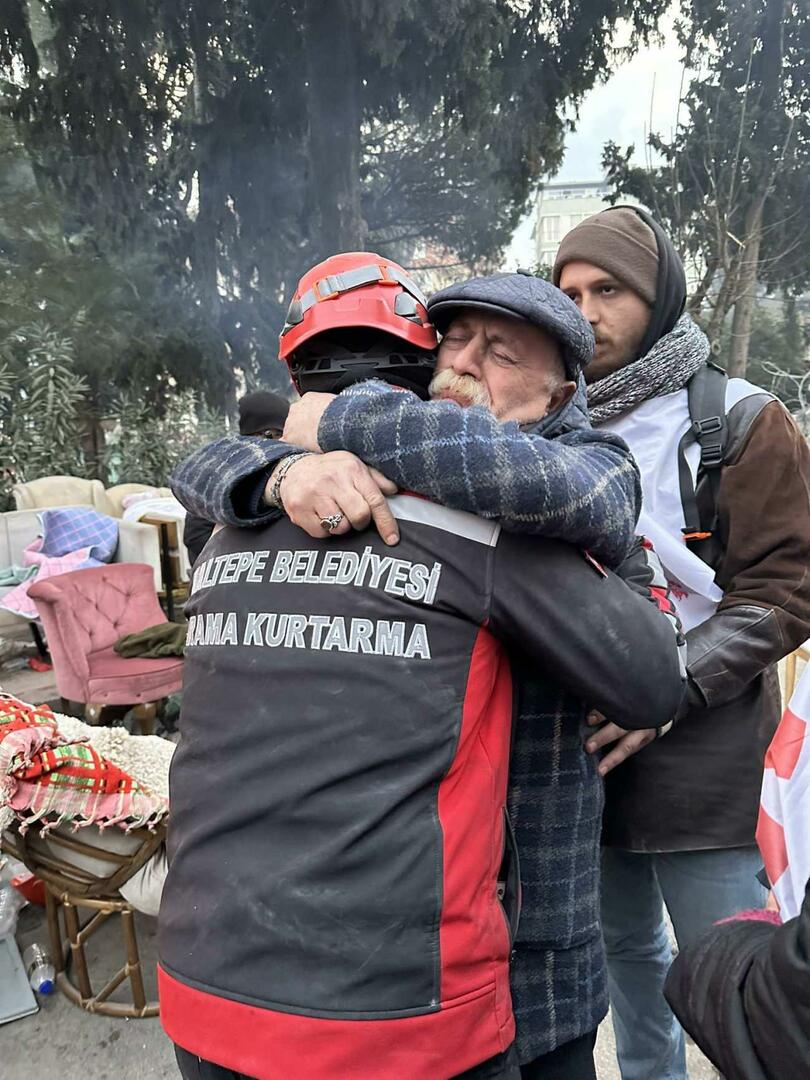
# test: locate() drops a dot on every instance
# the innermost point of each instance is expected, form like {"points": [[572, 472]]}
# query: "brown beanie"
{"points": [[618, 241]]}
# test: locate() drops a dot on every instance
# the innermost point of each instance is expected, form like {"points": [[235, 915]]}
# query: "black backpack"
{"points": [[707, 411]]}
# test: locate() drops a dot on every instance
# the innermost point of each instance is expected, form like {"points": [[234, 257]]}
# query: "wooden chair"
{"points": [[82, 877]]}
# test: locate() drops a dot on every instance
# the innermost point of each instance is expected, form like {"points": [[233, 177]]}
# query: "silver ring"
{"points": [[331, 522]]}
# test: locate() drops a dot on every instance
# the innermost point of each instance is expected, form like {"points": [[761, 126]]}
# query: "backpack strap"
{"points": [[709, 427]]}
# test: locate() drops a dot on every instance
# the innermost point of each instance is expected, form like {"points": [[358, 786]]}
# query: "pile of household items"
{"points": [[82, 817]]}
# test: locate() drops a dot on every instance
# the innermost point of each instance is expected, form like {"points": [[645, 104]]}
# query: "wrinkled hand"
{"points": [[320, 485], [627, 742], [303, 420]]}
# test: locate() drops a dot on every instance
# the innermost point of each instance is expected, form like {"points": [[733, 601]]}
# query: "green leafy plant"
{"points": [[143, 447], [40, 407], [42, 404]]}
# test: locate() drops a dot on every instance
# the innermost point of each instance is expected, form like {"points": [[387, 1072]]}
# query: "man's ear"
{"points": [[561, 396]]}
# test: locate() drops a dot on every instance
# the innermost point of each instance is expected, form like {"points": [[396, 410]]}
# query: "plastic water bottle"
{"points": [[39, 969], [10, 903]]}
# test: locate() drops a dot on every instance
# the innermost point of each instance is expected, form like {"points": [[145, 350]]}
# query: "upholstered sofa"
{"points": [[52, 491]]}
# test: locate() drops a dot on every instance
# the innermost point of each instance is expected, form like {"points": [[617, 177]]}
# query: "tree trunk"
{"points": [[334, 116], [746, 292], [767, 74], [41, 29], [702, 290], [206, 227], [93, 442], [722, 305]]}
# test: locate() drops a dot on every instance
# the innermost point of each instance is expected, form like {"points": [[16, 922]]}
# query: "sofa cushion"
{"points": [[117, 680]]}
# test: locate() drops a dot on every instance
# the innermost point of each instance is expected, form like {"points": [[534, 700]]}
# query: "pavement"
{"points": [[63, 1042]]}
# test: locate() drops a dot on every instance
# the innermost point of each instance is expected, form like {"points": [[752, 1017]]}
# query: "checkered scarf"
{"points": [[45, 777]]}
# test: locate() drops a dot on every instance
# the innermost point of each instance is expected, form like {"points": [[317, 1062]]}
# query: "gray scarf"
{"points": [[667, 367]]}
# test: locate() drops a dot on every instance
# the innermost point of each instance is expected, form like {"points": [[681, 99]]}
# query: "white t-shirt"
{"points": [[653, 431]]}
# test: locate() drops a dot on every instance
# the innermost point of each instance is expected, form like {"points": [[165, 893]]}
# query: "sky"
{"points": [[619, 109]]}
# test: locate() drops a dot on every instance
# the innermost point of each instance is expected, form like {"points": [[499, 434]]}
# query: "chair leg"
{"points": [[39, 641], [73, 929], [133, 960], [52, 914], [145, 715], [92, 713]]}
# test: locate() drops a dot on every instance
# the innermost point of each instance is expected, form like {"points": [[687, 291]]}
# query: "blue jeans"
{"points": [[698, 888]]}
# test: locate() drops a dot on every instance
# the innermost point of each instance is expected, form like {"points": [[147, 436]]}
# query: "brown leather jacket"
{"points": [[698, 787]]}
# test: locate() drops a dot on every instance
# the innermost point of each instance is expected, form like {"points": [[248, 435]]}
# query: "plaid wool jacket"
{"points": [[576, 485]]}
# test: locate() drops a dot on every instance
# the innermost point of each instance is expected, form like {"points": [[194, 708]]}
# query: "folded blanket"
{"points": [[15, 575], [47, 776], [70, 528], [17, 601], [165, 639], [169, 508]]}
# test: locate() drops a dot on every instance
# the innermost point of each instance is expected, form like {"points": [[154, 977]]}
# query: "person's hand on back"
{"points": [[626, 742], [303, 420], [339, 486]]}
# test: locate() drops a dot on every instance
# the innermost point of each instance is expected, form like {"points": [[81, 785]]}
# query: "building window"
{"points": [[550, 229]]}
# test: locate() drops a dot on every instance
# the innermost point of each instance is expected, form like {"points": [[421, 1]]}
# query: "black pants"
{"points": [[501, 1067], [571, 1061], [195, 1068]]}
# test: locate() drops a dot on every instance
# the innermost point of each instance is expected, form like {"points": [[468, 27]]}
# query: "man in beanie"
{"points": [[726, 506], [260, 413]]}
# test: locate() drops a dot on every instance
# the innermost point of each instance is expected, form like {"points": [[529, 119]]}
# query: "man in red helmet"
{"points": [[391, 703], [358, 291]]}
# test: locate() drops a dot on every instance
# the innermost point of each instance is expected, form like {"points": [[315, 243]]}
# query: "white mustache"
{"points": [[462, 386]]}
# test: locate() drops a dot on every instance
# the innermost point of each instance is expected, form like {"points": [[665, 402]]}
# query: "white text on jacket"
{"points": [[379, 637], [399, 577]]}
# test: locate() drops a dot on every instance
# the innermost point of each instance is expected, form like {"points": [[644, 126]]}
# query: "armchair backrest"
{"points": [[88, 610], [17, 529], [61, 491]]}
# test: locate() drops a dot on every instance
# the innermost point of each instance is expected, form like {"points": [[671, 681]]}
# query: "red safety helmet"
{"points": [[357, 289]]}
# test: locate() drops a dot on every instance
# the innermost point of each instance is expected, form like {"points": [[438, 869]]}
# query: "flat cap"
{"points": [[523, 296]]}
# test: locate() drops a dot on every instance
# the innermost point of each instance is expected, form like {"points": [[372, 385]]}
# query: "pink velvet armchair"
{"points": [[84, 613]]}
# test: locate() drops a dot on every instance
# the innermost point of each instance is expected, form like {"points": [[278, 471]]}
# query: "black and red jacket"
{"points": [[337, 902]]}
